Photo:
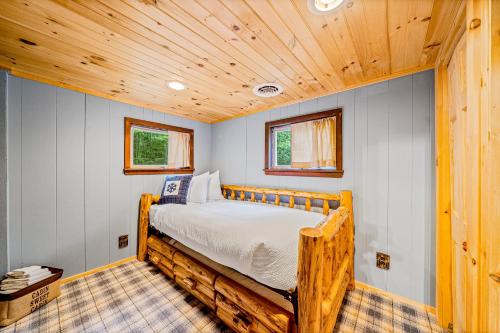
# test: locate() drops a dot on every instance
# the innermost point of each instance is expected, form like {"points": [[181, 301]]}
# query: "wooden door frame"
{"points": [[475, 20]]}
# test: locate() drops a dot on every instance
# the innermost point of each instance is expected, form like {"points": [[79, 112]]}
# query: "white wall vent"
{"points": [[267, 89]]}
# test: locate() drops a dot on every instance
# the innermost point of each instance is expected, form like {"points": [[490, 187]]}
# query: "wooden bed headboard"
{"points": [[236, 192]]}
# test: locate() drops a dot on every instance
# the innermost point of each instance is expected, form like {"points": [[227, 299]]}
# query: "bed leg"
{"points": [[346, 201], [310, 280], [146, 201]]}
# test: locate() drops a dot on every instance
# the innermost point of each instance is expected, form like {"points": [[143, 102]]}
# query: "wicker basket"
{"points": [[18, 304]]}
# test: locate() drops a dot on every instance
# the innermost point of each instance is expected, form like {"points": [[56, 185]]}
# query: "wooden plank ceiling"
{"points": [[127, 50]]}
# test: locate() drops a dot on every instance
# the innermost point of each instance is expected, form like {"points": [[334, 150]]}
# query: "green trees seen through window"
{"points": [[283, 147], [150, 148]]}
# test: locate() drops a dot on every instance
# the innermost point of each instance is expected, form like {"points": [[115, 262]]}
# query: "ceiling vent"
{"points": [[267, 90]]}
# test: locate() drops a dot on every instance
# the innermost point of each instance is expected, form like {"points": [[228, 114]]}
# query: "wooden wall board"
{"points": [[126, 50], [443, 201], [136, 184], [423, 173], [377, 182], [372, 156], [491, 182], [119, 184], [39, 174], [70, 181], [14, 159], [87, 201], [97, 180], [401, 201], [4, 252]]}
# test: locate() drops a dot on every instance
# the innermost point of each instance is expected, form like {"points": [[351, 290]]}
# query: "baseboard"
{"points": [[98, 269], [422, 306]]}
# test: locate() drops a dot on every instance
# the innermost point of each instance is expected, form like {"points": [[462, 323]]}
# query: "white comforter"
{"points": [[257, 240]]}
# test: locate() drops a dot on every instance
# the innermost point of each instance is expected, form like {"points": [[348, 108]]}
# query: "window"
{"points": [[307, 146], [154, 148], [282, 147], [149, 148]]}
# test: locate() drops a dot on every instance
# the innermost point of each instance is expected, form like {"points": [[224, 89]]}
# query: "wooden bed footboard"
{"points": [[325, 268], [325, 258]]}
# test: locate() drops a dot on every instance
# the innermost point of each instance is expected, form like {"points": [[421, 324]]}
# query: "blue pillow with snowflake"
{"points": [[175, 189]]}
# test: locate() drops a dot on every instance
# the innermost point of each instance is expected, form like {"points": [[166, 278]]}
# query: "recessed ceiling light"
{"points": [[176, 85], [323, 7]]}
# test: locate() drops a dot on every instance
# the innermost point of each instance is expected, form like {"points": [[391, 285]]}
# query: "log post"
{"points": [[146, 201], [291, 203], [264, 198], [252, 196], [242, 195], [308, 204], [277, 199], [310, 280], [346, 201], [326, 207]]}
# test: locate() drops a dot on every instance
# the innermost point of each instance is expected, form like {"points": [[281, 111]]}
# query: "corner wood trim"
{"points": [[98, 269]]}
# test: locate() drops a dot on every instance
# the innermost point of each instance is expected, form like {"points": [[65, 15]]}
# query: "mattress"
{"points": [[257, 240]]}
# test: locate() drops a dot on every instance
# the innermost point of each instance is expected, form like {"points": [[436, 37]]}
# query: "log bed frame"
{"points": [[325, 262]]}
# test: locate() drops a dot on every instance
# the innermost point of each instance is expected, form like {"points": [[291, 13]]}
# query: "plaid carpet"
{"points": [[136, 297]]}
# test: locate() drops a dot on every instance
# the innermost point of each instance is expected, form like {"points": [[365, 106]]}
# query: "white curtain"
{"points": [[314, 143], [178, 149]]}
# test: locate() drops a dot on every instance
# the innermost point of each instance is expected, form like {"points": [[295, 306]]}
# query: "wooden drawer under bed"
{"points": [[161, 254], [196, 278], [245, 311]]}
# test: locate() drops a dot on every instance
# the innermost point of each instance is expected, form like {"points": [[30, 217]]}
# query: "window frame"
{"points": [[271, 170], [130, 169]]}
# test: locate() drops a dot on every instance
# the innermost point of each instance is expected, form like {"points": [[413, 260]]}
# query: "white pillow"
{"points": [[198, 188], [214, 191]]}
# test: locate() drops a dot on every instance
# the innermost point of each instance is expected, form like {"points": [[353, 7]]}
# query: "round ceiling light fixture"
{"points": [[323, 7], [268, 89], [176, 85]]}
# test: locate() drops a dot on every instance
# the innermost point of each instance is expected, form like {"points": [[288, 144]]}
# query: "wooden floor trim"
{"points": [[98, 269]]}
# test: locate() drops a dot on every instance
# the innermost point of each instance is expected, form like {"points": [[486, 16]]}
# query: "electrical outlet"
{"points": [[383, 261], [122, 241]]}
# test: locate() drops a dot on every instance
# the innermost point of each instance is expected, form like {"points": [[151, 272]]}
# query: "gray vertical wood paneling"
{"points": [[14, 154], [387, 157], [4, 256], [70, 181], [39, 243], [97, 154], [387, 163], [400, 219], [254, 144], [136, 189], [230, 155], [68, 197], [363, 256], [119, 208], [422, 174], [377, 179]]}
